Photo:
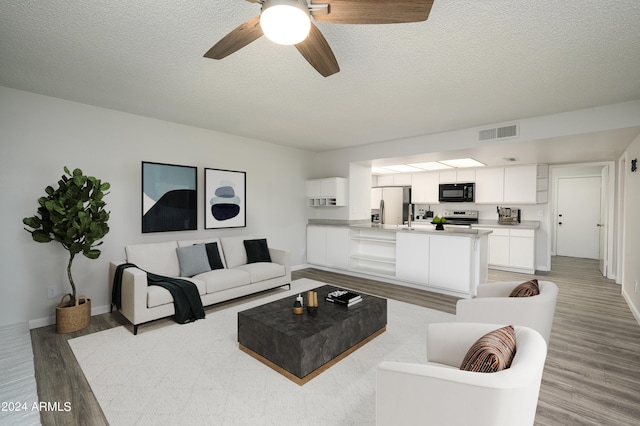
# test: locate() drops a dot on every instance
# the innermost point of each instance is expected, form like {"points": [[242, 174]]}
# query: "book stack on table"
{"points": [[344, 297]]}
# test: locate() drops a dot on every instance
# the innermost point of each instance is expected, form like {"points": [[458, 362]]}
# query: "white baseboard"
{"points": [[299, 267], [43, 322], [632, 307]]}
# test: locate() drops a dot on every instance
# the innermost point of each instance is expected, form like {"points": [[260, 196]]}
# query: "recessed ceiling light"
{"points": [[431, 165], [403, 168], [463, 162]]}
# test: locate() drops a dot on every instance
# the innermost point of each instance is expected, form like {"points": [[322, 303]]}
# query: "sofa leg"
{"points": [[135, 330]]}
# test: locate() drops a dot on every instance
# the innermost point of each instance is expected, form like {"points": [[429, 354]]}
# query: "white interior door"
{"points": [[602, 225], [578, 217]]}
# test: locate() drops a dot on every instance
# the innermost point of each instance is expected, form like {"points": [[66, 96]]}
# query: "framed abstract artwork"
{"points": [[225, 199], [169, 197]]}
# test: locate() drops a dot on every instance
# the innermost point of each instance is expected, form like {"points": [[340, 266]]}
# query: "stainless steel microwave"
{"points": [[456, 192]]}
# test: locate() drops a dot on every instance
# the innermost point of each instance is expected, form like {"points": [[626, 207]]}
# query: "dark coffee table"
{"points": [[302, 346]]}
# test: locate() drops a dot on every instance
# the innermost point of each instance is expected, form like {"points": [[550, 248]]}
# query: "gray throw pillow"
{"points": [[193, 260]]}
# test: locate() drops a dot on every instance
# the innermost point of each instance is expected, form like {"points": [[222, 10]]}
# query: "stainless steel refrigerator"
{"points": [[390, 204]]}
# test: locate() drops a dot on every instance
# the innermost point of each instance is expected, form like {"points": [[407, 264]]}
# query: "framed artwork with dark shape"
{"points": [[225, 199], [169, 197]]}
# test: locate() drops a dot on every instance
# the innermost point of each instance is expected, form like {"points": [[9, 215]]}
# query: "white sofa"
{"points": [[492, 305], [439, 393], [142, 303]]}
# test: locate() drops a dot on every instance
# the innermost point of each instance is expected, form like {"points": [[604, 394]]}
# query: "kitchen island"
{"points": [[453, 261]]}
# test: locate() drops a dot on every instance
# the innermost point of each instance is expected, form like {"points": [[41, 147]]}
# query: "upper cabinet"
{"points": [[526, 184], [457, 175], [327, 192], [399, 179], [424, 188], [520, 184], [515, 185], [490, 185]]}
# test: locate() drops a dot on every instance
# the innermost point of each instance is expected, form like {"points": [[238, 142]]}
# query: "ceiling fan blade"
{"points": [[317, 52], [374, 11], [236, 39]]}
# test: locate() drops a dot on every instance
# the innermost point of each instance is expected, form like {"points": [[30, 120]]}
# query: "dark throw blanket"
{"points": [[186, 299]]}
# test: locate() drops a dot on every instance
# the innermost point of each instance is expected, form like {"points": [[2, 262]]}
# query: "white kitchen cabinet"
{"points": [[385, 180], [337, 247], [450, 262], [328, 246], [512, 249], [489, 185], [464, 175], [424, 188], [513, 185], [412, 258], [448, 176], [398, 179], [403, 179], [316, 245], [520, 184], [522, 249], [327, 192], [441, 262], [499, 247]]}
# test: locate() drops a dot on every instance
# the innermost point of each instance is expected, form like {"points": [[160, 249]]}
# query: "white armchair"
{"points": [[492, 305], [439, 393]]}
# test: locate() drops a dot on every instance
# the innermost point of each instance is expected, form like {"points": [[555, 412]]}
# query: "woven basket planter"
{"points": [[72, 317]]}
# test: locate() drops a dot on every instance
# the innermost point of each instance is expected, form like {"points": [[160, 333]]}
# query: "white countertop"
{"points": [[525, 224], [422, 228]]}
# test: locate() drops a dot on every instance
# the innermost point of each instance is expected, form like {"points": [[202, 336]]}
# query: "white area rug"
{"points": [[171, 374]]}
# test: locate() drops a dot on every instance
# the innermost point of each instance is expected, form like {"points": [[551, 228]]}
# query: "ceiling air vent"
{"points": [[498, 133]]}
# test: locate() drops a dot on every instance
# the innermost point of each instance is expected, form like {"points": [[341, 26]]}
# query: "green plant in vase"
{"points": [[439, 222], [74, 215]]}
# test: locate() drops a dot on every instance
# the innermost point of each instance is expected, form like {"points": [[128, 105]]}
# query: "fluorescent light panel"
{"points": [[380, 171], [431, 165], [402, 168], [463, 162]]}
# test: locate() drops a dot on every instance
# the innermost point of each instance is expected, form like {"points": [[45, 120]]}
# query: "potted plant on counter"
{"points": [[439, 223], [74, 215]]}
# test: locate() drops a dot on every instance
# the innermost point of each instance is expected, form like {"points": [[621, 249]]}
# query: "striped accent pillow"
{"points": [[526, 289], [492, 352]]}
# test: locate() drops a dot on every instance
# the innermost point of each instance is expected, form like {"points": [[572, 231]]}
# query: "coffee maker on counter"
{"points": [[508, 216]]}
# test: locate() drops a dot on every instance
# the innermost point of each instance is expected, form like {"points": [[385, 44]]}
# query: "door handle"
{"points": [[599, 225]]}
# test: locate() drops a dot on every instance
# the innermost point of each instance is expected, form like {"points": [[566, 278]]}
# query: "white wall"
{"points": [[39, 135], [631, 231]]}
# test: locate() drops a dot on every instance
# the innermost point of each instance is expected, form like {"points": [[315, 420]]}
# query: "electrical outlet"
{"points": [[52, 291]]}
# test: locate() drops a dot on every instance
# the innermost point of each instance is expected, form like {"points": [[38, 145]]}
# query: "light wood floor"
{"points": [[591, 377]]}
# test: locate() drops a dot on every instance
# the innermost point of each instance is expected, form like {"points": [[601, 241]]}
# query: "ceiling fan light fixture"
{"points": [[285, 21]]}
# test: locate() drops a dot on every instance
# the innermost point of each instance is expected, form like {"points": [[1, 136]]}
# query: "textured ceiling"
{"points": [[470, 64]]}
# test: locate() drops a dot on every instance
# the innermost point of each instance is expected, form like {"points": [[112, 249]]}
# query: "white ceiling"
{"points": [[470, 64]]}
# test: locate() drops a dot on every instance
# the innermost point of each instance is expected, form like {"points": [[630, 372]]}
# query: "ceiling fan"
{"points": [[289, 22]]}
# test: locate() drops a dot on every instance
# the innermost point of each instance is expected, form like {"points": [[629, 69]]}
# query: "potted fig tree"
{"points": [[74, 215]]}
